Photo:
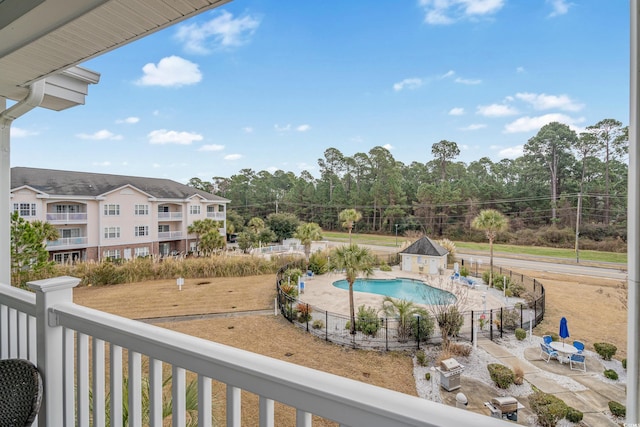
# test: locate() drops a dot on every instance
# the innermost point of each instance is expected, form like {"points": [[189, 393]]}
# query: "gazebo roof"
{"points": [[425, 246]]}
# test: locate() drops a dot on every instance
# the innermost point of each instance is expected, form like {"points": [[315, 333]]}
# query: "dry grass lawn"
{"points": [[592, 306]]}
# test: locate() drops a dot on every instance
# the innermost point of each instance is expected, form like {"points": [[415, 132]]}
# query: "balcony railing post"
{"points": [[50, 292]]}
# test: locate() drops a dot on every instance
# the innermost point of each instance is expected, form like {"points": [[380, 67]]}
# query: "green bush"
{"points": [[427, 376], [617, 409], [464, 271], [520, 334], [427, 325], [501, 375], [291, 275], [317, 324], [611, 374], [106, 273], [450, 321], [385, 267], [318, 262], [304, 312], [605, 350], [422, 358], [624, 363], [548, 408], [510, 318], [554, 336], [574, 415], [367, 320]]}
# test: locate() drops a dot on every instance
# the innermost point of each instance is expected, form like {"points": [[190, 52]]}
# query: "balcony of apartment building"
{"points": [[70, 238], [170, 212], [66, 213], [165, 232], [90, 360], [216, 212]]}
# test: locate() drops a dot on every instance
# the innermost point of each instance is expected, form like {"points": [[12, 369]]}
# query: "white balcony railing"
{"points": [[168, 235], [72, 344], [67, 242], [218, 216], [67, 218], [170, 216]]}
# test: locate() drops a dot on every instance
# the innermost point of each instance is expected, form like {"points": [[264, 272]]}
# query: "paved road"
{"points": [[551, 266]]}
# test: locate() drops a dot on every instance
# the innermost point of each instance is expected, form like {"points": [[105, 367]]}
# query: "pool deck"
{"points": [[320, 292]]}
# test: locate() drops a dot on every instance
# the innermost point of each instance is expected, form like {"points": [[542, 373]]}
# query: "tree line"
{"points": [[562, 180]]}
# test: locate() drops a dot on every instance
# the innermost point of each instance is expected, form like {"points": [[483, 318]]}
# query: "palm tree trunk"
{"points": [[352, 310], [491, 263]]}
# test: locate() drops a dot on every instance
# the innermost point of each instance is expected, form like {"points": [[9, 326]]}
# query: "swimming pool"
{"points": [[408, 289]]}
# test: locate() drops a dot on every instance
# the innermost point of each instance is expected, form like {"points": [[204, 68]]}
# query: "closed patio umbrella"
{"points": [[564, 329]]}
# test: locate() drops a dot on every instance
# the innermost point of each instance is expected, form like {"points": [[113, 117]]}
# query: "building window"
{"points": [[25, 209], [112, 232], [220, 208], [142, 209], [141, 252], [111, 254], [141, 230], [111, 210], [163, 228], [194, 209]]}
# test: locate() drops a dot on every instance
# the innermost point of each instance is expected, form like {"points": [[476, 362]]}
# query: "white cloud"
{"points": [[21, 133], [357, 139], [512, 152], [528, 124], [457, 111], [223, 31], [468, 81], [100, 135], [129, 120], [560, 7], [102, 164], [543, 101], [233, 157], [171, 71], [496, 110], [306, 166], [448, 74], [211, 147], [279, 128], [444, 12], [520, 70], [388, 147], [303, 128], [247, 129], [411, 83], [474, 126], [163, 136]]}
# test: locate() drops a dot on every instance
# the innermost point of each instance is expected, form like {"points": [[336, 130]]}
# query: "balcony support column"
{"points": [[50, 343]]}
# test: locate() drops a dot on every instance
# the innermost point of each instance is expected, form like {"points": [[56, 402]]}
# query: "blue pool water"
{"points": [[407, 289]]}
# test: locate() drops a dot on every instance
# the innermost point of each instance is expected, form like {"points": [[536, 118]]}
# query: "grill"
{"points": [[450, 371]]}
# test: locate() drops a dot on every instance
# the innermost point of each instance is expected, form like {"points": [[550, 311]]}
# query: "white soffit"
{"points": [[39, 38]]}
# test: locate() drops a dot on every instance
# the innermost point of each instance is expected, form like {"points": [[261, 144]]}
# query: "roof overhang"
{"points": [[42, 38]]}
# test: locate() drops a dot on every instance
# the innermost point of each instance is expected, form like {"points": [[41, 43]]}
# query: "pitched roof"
{"points": [[57, 182], [425, 246]]}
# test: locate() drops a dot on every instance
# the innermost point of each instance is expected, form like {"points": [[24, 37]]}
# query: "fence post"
{"points": [[473, 334], [491, 324], [50, 344], [501, 322], [307, 317], [326, 325], [521, 312], [386, 333]]}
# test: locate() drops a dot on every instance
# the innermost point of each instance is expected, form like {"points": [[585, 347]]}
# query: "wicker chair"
{"points": [[20, 392]]}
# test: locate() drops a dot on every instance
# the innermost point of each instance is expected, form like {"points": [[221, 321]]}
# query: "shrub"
{"points": [[518, 375], [422, 358], [624, 363], [427, 325], [427, 376], [289, 289], [291, 275], [617, 409], [318, 262], [385, 267], [460, 349], [367, 321], [611, 374], [520, 334], [605, 350], [464, 271], [554, 336], [317, 324], [450, 321], [510, 318], [573, 415], [501, 375], [304, 312], [517, 289], [548, 408]]}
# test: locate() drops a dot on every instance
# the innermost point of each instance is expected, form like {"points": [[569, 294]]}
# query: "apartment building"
{"points": [[102, 216]]}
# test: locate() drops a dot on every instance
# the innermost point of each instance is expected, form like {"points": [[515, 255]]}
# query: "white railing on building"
{"points": [[170, 235], [169, 215], [216, 215], [71, 343], [67, 242], [277, 249], [69, 217]]}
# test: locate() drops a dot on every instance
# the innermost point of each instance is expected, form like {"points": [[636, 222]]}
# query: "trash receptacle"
{"points": [[508, 406], [450, 371]]}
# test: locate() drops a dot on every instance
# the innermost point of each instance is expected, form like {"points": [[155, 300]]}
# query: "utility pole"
{"points": [[578, 227]]}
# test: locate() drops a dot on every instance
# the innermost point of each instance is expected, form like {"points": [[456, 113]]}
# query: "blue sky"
{"points": [[270, 85]]}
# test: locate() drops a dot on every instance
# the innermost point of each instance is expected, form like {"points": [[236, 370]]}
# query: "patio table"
{"points": [[563, 348]]}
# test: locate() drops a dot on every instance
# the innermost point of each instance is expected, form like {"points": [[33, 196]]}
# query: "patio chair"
{"points": [[547, 353], [20, 392], [579, 345], [578, 359], [547, 339]]}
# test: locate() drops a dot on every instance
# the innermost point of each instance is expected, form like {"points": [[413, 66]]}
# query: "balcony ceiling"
{"points": [[39, 38]]}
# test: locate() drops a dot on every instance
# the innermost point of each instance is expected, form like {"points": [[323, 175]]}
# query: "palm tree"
{"points": [[349, 217], [307, 233], [354, 260], [211, 241], [491, 222], [406, 311], [201, 227]]}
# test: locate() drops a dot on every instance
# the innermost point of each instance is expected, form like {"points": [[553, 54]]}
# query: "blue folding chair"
{"points": [[579, 345], [547, 353], [547, 339], [578, 359]]}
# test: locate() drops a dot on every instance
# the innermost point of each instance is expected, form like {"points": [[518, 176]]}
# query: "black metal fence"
{"points": [[384, 333]]}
